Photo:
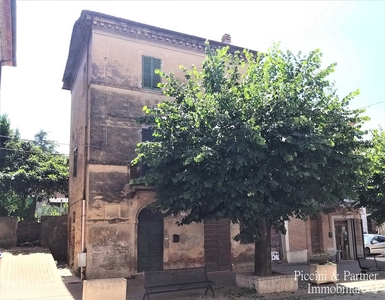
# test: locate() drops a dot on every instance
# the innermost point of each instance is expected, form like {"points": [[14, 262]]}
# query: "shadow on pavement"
{"points": [[225, 288]]}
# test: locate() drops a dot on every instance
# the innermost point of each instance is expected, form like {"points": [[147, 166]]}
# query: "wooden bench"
{"points": [[173, 280], [370, 265]]}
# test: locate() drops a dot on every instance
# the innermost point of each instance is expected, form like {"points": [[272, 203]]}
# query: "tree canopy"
{"points": [[372, 195], [29, 171], [258, 139]]}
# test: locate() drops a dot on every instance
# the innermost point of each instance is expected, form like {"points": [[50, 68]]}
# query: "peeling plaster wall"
{"points": [[108, 250], [112, 242], [189, 251], [74, 234], [117, 98], [111, 85], [112, 236], [114, 128], [107, 185], [242, 255], [111, 224], [117, 60], [76, 183]]}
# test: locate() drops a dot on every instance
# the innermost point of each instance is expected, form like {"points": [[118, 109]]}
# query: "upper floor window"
{"points": [[150, 80], [147, 135]]}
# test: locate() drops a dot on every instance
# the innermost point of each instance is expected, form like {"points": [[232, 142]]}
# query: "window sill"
{"points": [[153, 91]]}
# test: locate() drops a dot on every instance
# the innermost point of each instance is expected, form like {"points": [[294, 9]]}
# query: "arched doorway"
{"points": [[150, 240]]}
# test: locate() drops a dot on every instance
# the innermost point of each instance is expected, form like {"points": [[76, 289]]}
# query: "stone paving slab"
{"points": [[31, 275]]}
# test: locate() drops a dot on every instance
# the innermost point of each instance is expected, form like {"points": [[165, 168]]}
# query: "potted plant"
{"points": [[322, 270]]}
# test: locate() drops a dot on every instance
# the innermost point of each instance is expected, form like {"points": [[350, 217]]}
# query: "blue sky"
{"points": [[351, 33]]}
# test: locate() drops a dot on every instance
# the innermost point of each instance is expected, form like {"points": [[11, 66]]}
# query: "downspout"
{"points": [[83, 217]]}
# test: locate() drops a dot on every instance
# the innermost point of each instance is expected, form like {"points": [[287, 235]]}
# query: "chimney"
{"points": [[226, 38]]}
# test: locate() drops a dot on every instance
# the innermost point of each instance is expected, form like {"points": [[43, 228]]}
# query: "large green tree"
{"points": [[40, 140], [5, 134], [30, 171], [7, 199], [372, 195], [258, 139]]}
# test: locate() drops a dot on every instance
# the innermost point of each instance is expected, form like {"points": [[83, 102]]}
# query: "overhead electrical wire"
{"points": [[66, 144]]}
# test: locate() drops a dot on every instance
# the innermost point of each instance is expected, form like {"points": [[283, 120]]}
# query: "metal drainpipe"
{"points": [[83, 217]]}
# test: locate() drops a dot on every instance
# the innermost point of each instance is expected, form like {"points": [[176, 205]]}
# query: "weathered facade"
{"points": [[110, 75]]}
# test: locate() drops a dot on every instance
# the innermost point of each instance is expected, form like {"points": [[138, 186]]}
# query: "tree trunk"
{"points": [[22, 207], [262, 260], [31, 210]]}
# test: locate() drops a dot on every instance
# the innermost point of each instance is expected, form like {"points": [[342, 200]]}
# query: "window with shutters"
{"points": [[150, 80]]}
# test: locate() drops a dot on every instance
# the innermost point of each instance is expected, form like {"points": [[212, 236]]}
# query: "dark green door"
{"points": [[150, 241]]}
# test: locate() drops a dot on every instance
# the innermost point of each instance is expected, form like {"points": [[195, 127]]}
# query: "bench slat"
{"points": [[161, 289], [160, 278], [173, 280], [189, 286], [191, 275]]}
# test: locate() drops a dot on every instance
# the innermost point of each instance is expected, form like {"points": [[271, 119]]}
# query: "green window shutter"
{"points": [[156, 77], [147, 134], [150, 80], [146, 72]]}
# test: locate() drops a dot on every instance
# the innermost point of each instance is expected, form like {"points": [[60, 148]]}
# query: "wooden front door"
{"points": [[217, 245], [150, 241], [342, 238]]}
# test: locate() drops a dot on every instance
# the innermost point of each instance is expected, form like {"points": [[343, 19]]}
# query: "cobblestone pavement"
{"points": [[31, 274]]}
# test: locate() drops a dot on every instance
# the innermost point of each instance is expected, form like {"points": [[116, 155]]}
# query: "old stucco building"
{"points": [[110, 73]]}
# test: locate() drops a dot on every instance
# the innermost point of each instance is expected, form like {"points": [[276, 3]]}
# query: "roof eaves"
{"points": [[88, 19], [81, 27]]}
